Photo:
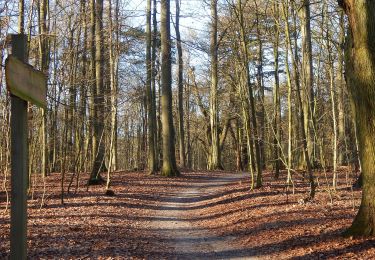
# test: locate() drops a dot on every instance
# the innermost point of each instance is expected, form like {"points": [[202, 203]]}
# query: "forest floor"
{"points": [[201, 215]]}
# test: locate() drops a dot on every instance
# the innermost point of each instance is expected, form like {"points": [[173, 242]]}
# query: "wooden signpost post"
{"points": [[24, 84]]}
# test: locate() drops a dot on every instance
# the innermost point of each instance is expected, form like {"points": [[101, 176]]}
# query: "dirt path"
{"points": [[176, 222]]}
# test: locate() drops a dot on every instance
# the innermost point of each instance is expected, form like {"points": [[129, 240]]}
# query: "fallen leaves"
{"points": [[233, 220]]}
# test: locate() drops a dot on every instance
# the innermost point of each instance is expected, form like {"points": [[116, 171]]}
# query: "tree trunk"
{"points": [[307, 93], [215, 162], [360, 67], [180, 84], [276, 94], [169, 158], [333, 97], [44, 65], [71, 109], [99, 163], [260, 87], [83, 92], [92, 95], [288, 49], [151, 128], [341, 94], [187, 111], [113, 59], [21, 16], [153, 80]]}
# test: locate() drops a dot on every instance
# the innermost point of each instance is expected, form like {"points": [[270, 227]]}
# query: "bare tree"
{"points": [[169, 158], [99, 161], [215, 161], [151, 123], [180, 83]]}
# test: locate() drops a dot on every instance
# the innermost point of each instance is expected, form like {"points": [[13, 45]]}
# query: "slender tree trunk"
{"points": [[71, 110], [169, 157], [247, 125], [288, 50], [92, 110], [260, 87], [56, 95], [83, 92], [307, 93], [153, 80], [333, 96], [236, 134], [341, 93], [21, 16], [113, 60], [116, 71], [99, 161], [187, 111], [180, 84], [215, 161], [44, 64], [149, 96], [276, 97], [294, 52]]}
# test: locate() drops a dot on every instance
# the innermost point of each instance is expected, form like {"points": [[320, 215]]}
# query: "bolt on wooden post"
{"points": [[24, 84]]}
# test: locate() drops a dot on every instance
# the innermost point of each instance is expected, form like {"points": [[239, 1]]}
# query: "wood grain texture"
{"points": [[26, 82]]}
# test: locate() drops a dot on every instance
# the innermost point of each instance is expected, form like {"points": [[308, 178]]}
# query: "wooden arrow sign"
{"points": [[26, 82]]}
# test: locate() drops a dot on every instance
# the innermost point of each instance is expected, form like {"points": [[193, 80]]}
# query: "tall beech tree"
{"points": [[180, 84], [214, 162], [307, 93], [99, 152], [276, 91], [360, 76], [92, 110], [341, 108], [151, 123], [44, 65], [153, 81], [169, 167]]}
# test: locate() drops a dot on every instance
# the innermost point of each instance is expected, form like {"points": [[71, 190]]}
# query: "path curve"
{"points": [[188, 240]]}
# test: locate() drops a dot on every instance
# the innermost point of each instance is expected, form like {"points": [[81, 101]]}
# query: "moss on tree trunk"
{"points": [[360, 73]]}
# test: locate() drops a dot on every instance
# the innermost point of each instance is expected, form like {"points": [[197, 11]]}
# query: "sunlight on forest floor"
{"points": [[200, 215]]}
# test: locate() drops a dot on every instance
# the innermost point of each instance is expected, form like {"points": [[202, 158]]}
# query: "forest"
{"points": [[187, 129]]}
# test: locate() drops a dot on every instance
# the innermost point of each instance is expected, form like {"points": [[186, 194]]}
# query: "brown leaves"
{"points": [[200, 215]]}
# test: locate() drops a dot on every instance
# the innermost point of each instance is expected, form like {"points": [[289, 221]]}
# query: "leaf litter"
{"points": [[202, 215]]}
